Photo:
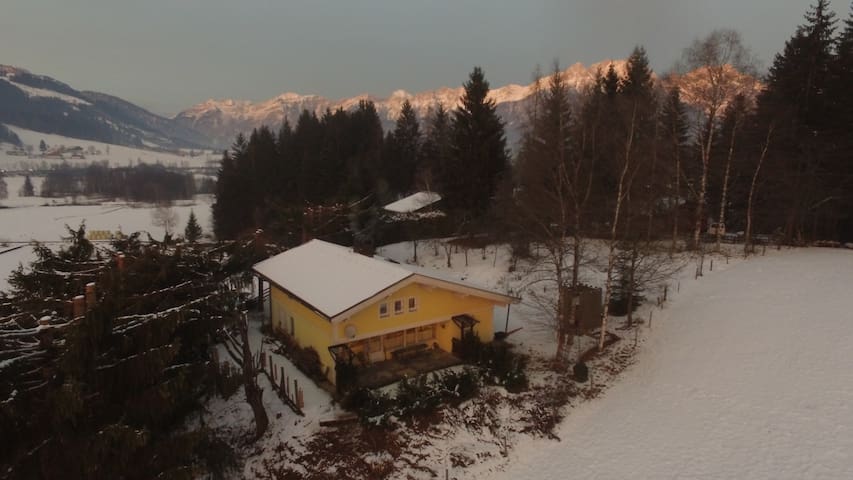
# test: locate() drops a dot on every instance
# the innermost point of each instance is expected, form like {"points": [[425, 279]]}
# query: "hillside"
{"points": [[41, 103]]}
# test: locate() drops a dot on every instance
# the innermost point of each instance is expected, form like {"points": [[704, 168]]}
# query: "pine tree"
{"points": [[436, 151], [193, 231], [27, 189], [4, 190], [43, 146], [797, 103], [479, 151], [402, 151]]}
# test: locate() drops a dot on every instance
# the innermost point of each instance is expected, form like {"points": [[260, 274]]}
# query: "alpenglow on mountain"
{"points": [[221, 120]]}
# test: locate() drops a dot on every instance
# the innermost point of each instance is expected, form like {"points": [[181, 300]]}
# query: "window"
{"points": [[394, 341], [426, 333], [383, 310], [398, 307], [413, 304]]}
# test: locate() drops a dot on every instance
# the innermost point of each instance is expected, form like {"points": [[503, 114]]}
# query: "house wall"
{"points": [[311, 329], [434, 305]]}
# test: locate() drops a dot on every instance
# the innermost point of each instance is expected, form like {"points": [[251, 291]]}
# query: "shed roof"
{"points": [[413, 202]]}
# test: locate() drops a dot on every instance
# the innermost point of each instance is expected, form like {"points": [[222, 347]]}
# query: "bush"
{"points": [[416, 396], [581, 372], [503, 366], [367, 403]]}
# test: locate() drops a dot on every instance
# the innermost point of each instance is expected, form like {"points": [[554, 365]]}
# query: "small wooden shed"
{"points": [[585, 300]]}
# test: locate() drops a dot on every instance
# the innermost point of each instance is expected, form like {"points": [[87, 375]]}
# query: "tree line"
{"points": [[143, 183], [342, 161]]}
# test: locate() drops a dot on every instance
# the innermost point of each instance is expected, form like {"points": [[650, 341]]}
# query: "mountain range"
{"points": [[220, 120], [40, 103]]}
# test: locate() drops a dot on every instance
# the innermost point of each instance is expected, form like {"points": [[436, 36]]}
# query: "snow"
{"points": [[41, 92], [746, 374], [38, 219], [329, 277], [413, 202], [113, 155]]}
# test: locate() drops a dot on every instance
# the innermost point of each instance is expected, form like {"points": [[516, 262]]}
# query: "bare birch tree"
{"points": [[715, 69], [747, 244]]}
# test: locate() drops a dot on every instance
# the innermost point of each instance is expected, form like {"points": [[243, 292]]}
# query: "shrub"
{"points": [[581, 372]]}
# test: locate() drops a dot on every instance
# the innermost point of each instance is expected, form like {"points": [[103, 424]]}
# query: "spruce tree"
{"points": [[402, 152], [479, 150], [193, 231], [27, 189], [4, 190], [436, 151], [798, 104]]}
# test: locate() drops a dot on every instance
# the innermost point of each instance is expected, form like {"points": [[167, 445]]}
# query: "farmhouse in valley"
{"points": [[350, 306]]}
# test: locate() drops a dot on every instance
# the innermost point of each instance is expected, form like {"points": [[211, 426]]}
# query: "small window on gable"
{"points": [[413, 304], [383, 309], [398, 307]]}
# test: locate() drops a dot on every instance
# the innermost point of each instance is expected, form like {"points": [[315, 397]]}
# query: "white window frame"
{"points": [[413, 304], [384, 305], [400, 303]]}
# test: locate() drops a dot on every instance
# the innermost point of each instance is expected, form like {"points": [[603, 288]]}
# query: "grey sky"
{"points": [[169, 54]]}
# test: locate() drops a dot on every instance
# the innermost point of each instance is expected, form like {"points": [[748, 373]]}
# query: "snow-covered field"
{"points": [[114, 155], [39, 219], [747, 373]]}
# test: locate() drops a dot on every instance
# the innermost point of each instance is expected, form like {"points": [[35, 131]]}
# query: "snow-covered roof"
{"points": [[334, 280], [413, 202]]}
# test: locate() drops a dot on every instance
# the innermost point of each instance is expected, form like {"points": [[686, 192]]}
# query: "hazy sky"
{"points": [[167, 55]]}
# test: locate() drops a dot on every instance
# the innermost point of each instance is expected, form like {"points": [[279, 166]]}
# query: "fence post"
{"points": [[712, 264], [295, 389], [650, 318], [665, 288]]}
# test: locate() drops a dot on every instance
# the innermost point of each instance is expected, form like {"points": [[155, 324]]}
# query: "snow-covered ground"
{"points": [[747, 373], [38, 219], [744, 373], [114, 155]]}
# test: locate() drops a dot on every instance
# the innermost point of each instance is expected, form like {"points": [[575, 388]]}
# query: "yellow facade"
{"points": [[376, 335]]}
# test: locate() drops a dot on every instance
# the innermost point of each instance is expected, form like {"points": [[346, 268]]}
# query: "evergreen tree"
{"points": [[437, 150], [402, 151], [192, 232], [104, 392], [27, 189], [798, 103], [42, 146], [479, 150], [4, 190]]}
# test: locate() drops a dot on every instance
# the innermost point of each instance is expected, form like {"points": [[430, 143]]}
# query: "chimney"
{"points": [[79, 306], [91, 297]]}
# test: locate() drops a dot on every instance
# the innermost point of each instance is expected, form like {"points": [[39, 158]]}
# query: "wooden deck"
{"points": [[389, 371]]}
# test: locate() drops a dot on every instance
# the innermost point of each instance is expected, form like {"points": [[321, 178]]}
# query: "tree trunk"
{"points": [[611, 257], [707, 141], [254, 393], [747, 245], [677, 200], [723, 197], [631, 285]]}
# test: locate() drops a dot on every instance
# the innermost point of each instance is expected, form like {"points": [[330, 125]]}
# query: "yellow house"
{"points": [[332, 299]]}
